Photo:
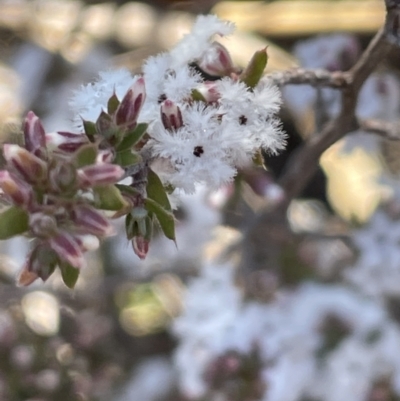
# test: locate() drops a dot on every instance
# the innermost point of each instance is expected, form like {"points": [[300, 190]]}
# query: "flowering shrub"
{"points": [[169, 128]]}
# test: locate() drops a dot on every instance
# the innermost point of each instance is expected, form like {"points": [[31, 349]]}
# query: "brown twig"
{"points": [[304, 163], [317, 77], [385, 129], [269, 233]]}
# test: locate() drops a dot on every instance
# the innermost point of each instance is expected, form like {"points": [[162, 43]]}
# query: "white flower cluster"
{"points": [[218, 134], [291, 335], [377, 270]]}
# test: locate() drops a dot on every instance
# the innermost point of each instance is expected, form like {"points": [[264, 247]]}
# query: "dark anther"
{"points": [[198, 151], [242, 120], [161, 98]]}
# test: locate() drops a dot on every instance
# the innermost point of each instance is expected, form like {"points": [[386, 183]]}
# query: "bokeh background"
{"points": [[109, 338]]}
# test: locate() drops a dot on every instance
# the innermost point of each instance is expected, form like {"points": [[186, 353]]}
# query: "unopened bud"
{"points": [[100, 174], [14, 188], [65, 141], [171, 115], [67, 248], [42, 225], [216, 61], [30, 167], [43, 261], [140, 246], [63, 177], [209, 91], [91, 221], [105, 156], [128, 111], [34, 135]]}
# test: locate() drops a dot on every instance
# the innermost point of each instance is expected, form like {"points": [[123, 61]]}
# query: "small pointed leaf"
{"points": [[156, 190], [69, 274], [131, 138], [127, 158], [90, 129], [255, 69], [85, 155], [164, 217], [108, 197], [112, 104], [13, 221], [127, 189]]}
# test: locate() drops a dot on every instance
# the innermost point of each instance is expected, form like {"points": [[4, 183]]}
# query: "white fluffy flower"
{"points": [[88, 102], [377, 270], [193, 45], [217, 137], [290, 334]]}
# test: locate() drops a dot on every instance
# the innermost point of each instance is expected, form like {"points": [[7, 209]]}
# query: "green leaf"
{"points": [[85, 155], [108, 197], [149, 227], [112, 104], [131, 138], [164, 217], [156, 190], [197, 96], [127, 189], [105, 126], [127, 158], [90, 129], [131, 227], [13, 221], [69, 274], [255, 69]]}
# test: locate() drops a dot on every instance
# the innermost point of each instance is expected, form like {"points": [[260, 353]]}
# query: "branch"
{"points": [[385, 129], [303, 164], [317, 77], [268, 233]]}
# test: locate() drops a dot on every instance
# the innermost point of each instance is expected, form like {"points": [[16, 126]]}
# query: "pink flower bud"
{"points": [[63, 177], [91, 221], [105, 156], [42, 225], [140, 246], [30, 167], [216, 61], [41, 262], [209, 91], [100, 174], [65, 141], [17, 190], [67, 248], [34, 135], [171, 115], [130, 106]]}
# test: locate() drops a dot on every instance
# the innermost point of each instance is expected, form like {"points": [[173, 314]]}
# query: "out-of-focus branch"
{"points": [[317, 77], [269, 230], [385, 129], [304, 163]]}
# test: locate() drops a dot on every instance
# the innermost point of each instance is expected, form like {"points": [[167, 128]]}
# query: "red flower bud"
{"points": [[17, 190], [30, 167], [67, 248], [65, 141], [171, 115], [217, 61], [34, 135], [140, 246], [130, 106], [100, 174], [91, 221]]}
